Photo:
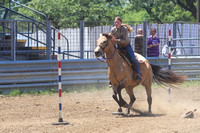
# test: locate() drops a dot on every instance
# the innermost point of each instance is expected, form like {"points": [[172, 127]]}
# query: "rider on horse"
{"points": [[120, 36]]}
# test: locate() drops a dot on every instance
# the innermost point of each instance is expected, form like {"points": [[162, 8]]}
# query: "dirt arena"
{"points": [[90, 112]]}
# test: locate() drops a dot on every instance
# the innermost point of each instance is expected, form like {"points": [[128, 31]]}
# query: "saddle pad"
{"points": [[140, 58]]}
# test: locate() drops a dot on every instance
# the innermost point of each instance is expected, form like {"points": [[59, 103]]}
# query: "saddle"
{"points": [[124, 55]]}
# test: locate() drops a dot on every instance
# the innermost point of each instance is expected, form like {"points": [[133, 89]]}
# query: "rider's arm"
{"points": [[123, 40], [121, 36]]}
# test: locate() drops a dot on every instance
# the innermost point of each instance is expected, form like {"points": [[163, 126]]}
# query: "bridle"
{"points": [[105, 59]]}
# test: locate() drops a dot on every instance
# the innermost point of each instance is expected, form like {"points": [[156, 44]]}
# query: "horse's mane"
{"points": [[130, 29], [120, 52]]}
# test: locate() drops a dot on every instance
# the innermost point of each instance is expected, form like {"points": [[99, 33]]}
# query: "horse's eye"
{"points": [[104, 41]]}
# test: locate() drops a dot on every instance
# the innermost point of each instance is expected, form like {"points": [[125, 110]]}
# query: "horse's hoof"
{"points": [[149, 112], [117, 113], [127, 111], [119, 110]]}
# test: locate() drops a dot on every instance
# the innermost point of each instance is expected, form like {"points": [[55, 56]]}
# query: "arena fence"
{"points": [[32, 40], [44, 74], [83, 35]]}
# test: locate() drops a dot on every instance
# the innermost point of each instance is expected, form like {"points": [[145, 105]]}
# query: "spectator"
{"points": [[165, 51], [139, 42], [153, 44]]}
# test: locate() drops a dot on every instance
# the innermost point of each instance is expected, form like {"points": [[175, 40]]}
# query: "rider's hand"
{"points": [[114, 39]]}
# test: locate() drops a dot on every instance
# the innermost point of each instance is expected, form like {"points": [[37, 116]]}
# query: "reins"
{"points": [[107, 58]]}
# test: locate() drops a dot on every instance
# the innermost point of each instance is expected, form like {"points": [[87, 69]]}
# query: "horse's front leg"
{"points": [[129, 90], [122, 103], [115, 97]]}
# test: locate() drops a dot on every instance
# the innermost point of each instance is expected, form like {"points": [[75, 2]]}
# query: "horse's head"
{"points": [[102, 43]]}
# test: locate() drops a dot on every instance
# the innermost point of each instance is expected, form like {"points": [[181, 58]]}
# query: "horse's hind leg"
{"points": [[129, 90], [149, 98]]}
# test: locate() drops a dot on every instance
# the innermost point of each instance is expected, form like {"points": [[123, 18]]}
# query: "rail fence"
{"points": [[83, 37], [30, 40], [43, 74]]}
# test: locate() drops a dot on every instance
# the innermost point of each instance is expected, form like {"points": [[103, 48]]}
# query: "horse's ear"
{"points": [[107, 35], [100, 35]]}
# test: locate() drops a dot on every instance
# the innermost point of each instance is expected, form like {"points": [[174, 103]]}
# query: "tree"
{"points": [[188, 5], [67, 13], [166, 10]]}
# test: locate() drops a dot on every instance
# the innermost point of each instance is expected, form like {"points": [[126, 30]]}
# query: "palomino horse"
{"points": [[122, 75]]}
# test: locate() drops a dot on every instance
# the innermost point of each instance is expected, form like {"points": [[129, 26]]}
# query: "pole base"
{"points": [[117, 113], [60, 122]]}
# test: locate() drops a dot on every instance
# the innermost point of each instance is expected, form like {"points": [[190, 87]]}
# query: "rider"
{"points": [[120, 36]]}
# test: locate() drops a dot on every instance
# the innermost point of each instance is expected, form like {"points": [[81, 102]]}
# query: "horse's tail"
{"points": [[165, 76]]}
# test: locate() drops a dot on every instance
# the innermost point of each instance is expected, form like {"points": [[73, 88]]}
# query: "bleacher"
{"points": [[26, 39]]}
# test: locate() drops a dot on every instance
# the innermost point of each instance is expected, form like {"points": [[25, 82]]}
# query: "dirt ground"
{"points": [[90, 112]]}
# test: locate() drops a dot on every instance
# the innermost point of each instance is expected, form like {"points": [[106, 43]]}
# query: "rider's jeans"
{"points": [[132, 57]]}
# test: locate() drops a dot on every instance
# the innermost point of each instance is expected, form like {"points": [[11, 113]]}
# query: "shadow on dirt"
{"points": [[142, 114]]}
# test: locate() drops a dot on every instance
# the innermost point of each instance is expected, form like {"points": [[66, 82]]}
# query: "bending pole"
{"points": [[60, 119], [169, 61]]}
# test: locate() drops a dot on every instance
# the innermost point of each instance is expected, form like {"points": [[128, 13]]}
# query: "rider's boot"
{"points": [[139, 75]]}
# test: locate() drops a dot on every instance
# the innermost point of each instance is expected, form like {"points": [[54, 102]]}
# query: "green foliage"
{"points": [[135, 16], [191, 83], [164, 10], [61, 12], [15, 92], [72, 89], [1, 92], [68, 13], [18, 92], [47, 92], [84, 88], [88, 88], [6, 3]]}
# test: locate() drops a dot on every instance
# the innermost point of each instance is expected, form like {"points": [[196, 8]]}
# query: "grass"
{"points": [[71, 89], [18, 92], [190, 84], [84, 88]]}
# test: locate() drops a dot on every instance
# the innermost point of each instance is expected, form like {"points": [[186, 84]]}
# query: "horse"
{"points": [[121, 74]]}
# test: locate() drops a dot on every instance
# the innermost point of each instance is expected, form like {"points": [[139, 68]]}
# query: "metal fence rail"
{"points": [[31, 40], [43, 74], [83, 37]]}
